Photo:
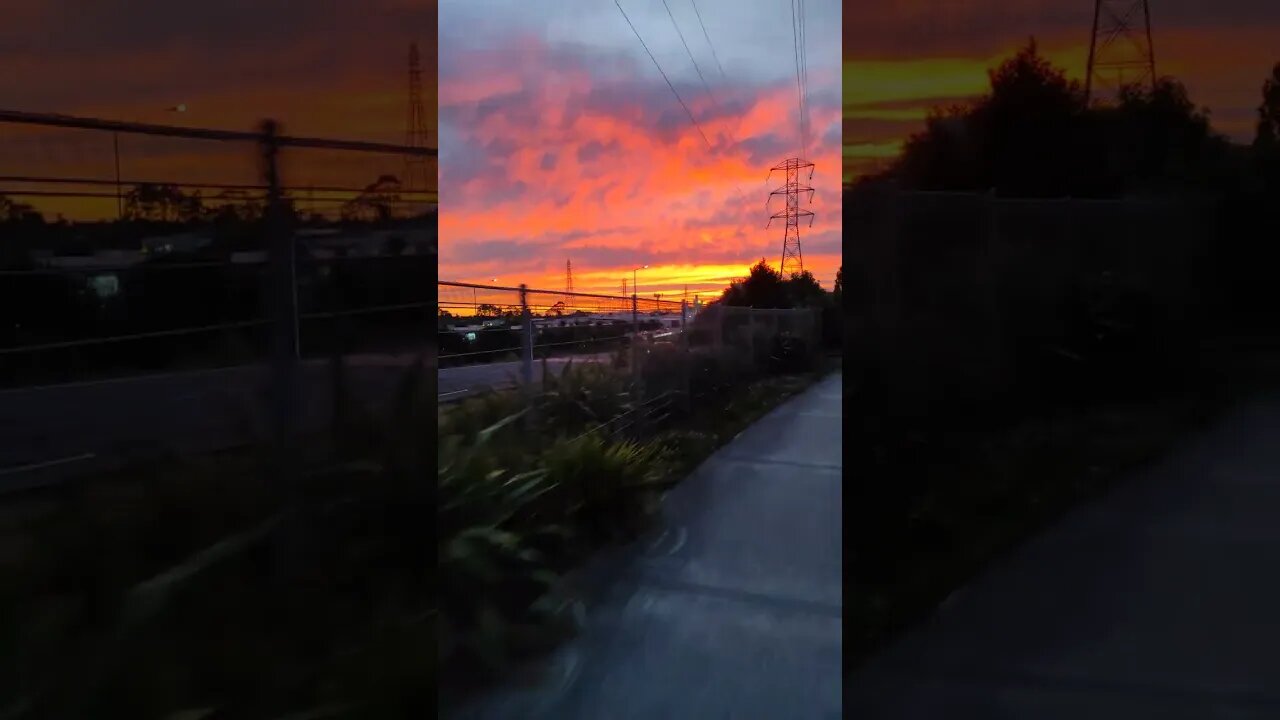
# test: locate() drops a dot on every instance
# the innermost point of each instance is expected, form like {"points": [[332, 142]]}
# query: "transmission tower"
{"points": [[415, 166], [1120, 50], [568, 280], [792, 259], [624, 287]]}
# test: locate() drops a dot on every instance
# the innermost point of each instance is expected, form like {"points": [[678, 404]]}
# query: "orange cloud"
{"points": [[552, 164]]}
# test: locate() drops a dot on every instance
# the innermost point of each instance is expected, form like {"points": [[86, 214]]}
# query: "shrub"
{"points": [[610, 489], [582, 395]]}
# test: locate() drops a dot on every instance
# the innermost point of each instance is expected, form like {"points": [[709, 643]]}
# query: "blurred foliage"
{"points": [[199, 583]]}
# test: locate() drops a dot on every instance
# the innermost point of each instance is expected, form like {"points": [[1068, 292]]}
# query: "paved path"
{"points": [[1161, 600], [732, 609]]}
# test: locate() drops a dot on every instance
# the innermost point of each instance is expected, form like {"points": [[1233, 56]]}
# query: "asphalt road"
{"points": [[48, 433], [731, 609], [457, 382]]}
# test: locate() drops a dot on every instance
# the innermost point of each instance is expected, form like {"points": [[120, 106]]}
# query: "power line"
{"points": [[795, 38], [697, 69], [804, 72], [716, 105], [111, 196], [34, 179], [708, 37], [692, 119], [84, 123]]}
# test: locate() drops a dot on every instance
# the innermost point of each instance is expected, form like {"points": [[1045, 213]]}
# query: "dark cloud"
{"points": [[501, 148], [765, 150], [481, 250], [67, 55], [730, 213], [597, 196], [595, 149], [651, 107], [517, 250], [549, 161], [912, 104], [831, 138], [941, 28], [501, 189], [860, 131]]}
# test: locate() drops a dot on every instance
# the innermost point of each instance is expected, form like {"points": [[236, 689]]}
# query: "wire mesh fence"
{"points": [[132, 252], [672, 352]]}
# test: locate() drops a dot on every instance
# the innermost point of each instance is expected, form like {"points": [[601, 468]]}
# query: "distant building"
{"points": [[96, 261], [179, 243], [408, 239]]}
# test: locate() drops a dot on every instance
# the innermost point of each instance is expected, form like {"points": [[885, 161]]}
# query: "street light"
{"points": [[635, 290]]}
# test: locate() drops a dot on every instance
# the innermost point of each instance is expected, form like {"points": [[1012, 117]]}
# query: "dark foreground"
{"points": [[1153, 601]]}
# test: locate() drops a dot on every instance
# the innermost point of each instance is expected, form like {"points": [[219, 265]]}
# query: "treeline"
{"points": [[1035, 134], [766, 287], [1180, 194]]}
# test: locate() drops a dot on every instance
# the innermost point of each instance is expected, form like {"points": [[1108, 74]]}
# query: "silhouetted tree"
{"points": [[1266, 142], [762, 288], [1026, 126], [1032, 134], [803, 290], [155, 202], [191, 208], [1021, 137], [375, 203], [1170, 139], [1268, 130], [237, 205]]}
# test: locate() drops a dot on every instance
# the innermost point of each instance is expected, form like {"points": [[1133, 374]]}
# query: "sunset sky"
{"points": [[561, 141], [902, 57], [329, 68]]}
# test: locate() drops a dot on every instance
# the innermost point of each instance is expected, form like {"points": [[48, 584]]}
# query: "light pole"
{"points": [[115, 145], [635, 317]]}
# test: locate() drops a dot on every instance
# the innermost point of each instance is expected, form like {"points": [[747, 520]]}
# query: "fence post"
{"points": [[635, 336], [688, 356], [282, 304], [526, 341]]}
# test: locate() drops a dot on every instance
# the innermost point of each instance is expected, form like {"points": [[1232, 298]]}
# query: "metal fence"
{"points": [[157, 307], [673, 351], [978, 299]]}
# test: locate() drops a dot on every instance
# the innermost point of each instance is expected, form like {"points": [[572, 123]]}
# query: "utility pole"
{"points": [[792, 259], [568, 283], [115, 144], [415, 166], [1120, 53]]}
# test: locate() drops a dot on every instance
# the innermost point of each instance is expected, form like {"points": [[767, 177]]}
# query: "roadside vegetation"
{"points": [[984, 405], [202, 586]]}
